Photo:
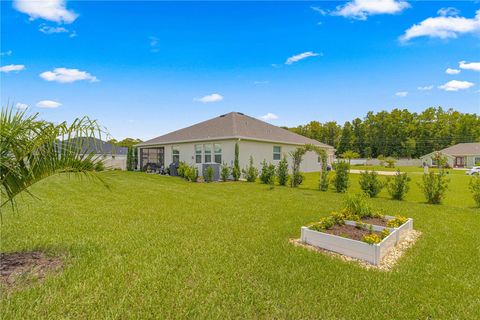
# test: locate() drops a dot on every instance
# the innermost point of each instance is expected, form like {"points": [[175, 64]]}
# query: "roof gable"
{"points": [[463, 149], [233, 125]]}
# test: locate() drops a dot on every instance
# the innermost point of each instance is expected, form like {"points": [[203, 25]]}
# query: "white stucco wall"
{"points": [[259, 150], [264, 151], [112, 162], [117, 162]]}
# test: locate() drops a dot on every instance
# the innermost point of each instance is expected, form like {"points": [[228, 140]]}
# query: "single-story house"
{"points": [[213, 142], [113, 157], [462, 155]]}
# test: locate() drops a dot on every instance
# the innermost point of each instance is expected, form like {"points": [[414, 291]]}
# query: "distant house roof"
{"points": [[461, 149], [233, 125], [102, 147]]}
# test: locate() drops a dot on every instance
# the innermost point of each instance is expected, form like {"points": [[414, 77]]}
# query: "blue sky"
{"points": [[146, 68]]}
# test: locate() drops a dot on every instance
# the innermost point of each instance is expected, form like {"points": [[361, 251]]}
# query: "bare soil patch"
{"points": [[348, 231], [30, 266], [376, 221]]}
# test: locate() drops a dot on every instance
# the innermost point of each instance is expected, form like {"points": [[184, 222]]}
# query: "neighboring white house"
{"points": [[462, 155], [213, 142], [112, 156]]}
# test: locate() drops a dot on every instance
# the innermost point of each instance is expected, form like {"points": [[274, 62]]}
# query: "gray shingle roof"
{"points": [[463, 149], [101, 147], [233, 125]]}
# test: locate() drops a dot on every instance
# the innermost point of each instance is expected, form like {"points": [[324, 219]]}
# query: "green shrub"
{"points": [[182, 166], [434, 186], [267, 175], [370, 183], [191, 173], [397, 185], [325, 223], [208, 174], [372, 238], [250, 172], [385, 233], [358, 205], [390, 163], [131, 155], [474, 187], [296, 179], [99, 166], [324, 180], [236, 164], [340, 180], [224, 172], [297, 176], [282, 172], [338, 217], [396, 222]]}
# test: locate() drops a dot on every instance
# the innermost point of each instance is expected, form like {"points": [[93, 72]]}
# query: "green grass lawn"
{"points": [[159, 247], [411, 169]]}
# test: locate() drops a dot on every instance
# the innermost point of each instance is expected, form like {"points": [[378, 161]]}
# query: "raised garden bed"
{"points": [[403, 226], [372, 253], [357, 231]]}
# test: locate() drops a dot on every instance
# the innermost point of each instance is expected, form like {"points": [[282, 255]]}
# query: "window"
{"points": [[277, 152], [477, 161], [217, 150], [175, 154], [207, 149], [198, 153], [151, 155]]}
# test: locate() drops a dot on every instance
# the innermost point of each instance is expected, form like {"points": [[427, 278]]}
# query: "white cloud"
{"points": [[450, 11], [214, 97], [443, 27], [6, 53], [49, 104], [154, 43], [361, 9], [425, 88], [64, 75], [52, 10], [401, 93], [452, 71], [301, 56], [269, 116], [12, 67], [49, 30], [319, 10], [456, 85], [21, 106], [475, 66]]}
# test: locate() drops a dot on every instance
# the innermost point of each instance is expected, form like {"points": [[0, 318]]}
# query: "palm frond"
{"points": [[32, 150]]}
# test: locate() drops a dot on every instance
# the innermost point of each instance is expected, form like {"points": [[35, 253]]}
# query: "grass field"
{"points": [[411, 169], [159, 247]]}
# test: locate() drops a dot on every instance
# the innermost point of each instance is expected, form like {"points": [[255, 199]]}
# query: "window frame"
{"points": [[175, 153], [277, 153], [197, 153], [217, 153], [207, 153]]}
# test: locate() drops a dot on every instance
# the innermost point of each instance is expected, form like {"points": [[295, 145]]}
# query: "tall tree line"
{"points": [[398, 133]]}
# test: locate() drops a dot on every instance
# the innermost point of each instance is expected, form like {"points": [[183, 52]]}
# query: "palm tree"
{"points": [[32, 150]]}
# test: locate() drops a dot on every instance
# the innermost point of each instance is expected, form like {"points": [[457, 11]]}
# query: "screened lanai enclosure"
{"points": [[153, 158]]}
